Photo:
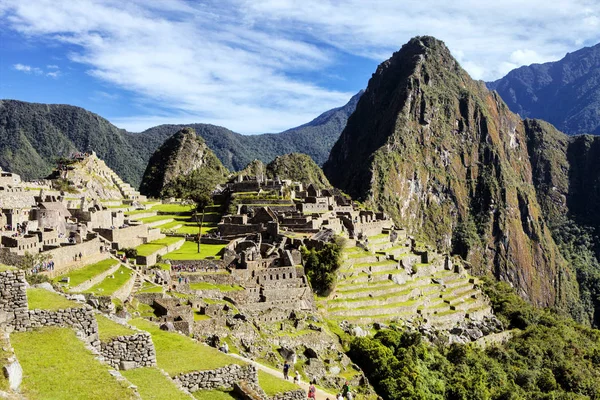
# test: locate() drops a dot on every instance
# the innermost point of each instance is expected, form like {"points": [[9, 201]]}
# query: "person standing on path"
{"points": [[312, 390], [286, 370]]}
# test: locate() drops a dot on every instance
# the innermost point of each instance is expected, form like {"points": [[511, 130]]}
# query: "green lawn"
{"points": [[212, 286], [148, 287], [46, 300], [200, 317], [213, 395], [174, 208], [109, 329], [6, 268], [149, 248], [57, 366], [273, 385], [178, 354], [189, 251], [79, 276], [155, 218], [110, 285], [153, 385]]}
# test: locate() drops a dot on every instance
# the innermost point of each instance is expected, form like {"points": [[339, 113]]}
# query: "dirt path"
{"points": [[321, 395]]}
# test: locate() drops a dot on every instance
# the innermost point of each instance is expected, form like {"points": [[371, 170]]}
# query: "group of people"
{"points": [[77, 257], [345, 394], [43, 266], [182, 279]]}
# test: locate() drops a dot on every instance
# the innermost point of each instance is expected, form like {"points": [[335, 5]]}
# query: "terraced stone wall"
{"points": [[224, 377], [13, 299]]}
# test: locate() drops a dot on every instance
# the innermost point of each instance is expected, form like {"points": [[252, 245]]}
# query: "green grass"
{"points": [[174, 208], [110, 285], [149, 248], [148, 287], [200, 317], [164, 266], [155, 218], [46, 300], [6, 268], [153, 385], [79, 276], [213, 286], [178, 354], [57, 366], [109, 329], [189, 251], [192, 228], [213, 395], [137, 212], [273, 385]]}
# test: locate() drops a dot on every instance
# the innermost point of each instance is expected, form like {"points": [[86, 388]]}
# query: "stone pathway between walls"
{"points": [[321, 395]]}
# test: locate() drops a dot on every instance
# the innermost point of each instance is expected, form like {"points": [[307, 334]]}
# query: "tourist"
{"points": [[286, 370], [296, 379], [339, 397], [312, 391], [346, 389], [79, 256]]}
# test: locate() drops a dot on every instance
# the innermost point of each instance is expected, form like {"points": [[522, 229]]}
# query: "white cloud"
{"points": [[53, 74], [52, 66], [28, 69], [236, 62]]}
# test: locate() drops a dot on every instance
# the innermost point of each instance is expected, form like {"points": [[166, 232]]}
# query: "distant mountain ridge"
{"points": [[33, 135], [565, 93]]}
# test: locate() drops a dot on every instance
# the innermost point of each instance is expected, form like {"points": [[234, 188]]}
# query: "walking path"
{"points": [[320, 395]]}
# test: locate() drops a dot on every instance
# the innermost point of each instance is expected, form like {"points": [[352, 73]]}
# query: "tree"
{"points": [[198, 187]]}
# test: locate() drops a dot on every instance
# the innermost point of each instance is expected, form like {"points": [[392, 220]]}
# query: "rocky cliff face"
{"points": [[299, 168], [447, 159], [566, 174], [180, 155], [565, 93]]}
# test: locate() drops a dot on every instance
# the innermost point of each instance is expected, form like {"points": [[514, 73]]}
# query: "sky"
{"points": [[257, 66]]}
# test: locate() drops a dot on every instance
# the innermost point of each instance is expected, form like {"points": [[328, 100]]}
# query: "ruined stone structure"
{"points": [[128, 352], [224, 377]]}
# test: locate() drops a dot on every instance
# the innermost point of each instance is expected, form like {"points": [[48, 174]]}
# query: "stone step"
{"points": [[369, 319], [404, 307], [372, 301], [459, 295], [478, 313], [466, 304], [380, 266]]}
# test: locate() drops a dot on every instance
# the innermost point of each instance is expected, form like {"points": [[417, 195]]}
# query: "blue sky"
{"points": [[259, 65]]}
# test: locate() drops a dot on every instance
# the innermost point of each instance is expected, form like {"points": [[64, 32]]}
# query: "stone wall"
{"points": [[151, 258], [128, 352], [124, 291], [81, 319], [224, 377], [95, 280], [17, 199], [64, 257], [291, 395], [13, 299]]}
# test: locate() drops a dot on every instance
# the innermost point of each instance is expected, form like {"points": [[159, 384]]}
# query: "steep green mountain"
{"points": [[297, 167], [565, 93], [33, 135], [179, 155], [236, 151], [445, 158], [566, 174]]}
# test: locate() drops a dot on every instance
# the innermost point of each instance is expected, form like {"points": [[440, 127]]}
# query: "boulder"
{"points": [[358, 332], [14, 373], [127, 365], [45, 286], [286, 353], [78, 297], [168, 326]]}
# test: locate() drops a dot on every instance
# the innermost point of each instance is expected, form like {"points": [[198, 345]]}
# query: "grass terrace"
{"points": [[273, 385], [155, 218], [46, 300], [56, 365], [214, 286], [79, 276], [173, 208], [110, 285], [153, 385], [189, 251], [6, 268], [109, 329], [149, 248], [148, 287], [178, 354]]}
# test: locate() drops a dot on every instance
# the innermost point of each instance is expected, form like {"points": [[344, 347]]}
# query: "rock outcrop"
{"points": [[298, 168], [179, 155], [446, 158]]}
